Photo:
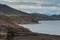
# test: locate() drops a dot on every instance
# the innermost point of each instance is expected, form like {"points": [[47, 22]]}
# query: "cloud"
{"points": [[46, 3], [11, 0], [38, 9], [39, 6], [20, 0], [34, 7]]}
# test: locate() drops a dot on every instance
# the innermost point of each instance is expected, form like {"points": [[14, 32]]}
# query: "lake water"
{"points": [[47, 27]]}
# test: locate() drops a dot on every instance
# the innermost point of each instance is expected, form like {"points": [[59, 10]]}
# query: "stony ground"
{"points": [[34, 37]]}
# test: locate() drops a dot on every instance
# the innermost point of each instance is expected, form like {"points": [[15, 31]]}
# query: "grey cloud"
{"points": [[45, 3], [47, 6]]}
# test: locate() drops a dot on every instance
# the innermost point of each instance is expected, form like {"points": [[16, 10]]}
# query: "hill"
{"points": [[8, 10], [9, 30], [7, 23]]}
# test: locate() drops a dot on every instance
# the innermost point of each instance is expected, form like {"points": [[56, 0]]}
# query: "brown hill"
{"points": [[9, 27], [7, 23]]}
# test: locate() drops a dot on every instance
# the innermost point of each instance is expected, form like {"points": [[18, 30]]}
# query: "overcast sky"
{"points": [[35, 6]]}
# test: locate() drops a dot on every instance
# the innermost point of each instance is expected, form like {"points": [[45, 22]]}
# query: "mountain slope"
{"points": [[8, 10]]}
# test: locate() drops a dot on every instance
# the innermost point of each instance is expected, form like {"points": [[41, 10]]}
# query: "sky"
{"points": [[48, 7]]}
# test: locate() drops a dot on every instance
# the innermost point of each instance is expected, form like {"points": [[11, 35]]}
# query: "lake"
{"points": [[47, 27]]}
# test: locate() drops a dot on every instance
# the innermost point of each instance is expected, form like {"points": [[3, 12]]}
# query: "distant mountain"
{"points": [[45, 17], [40, 16], [55, 17]]}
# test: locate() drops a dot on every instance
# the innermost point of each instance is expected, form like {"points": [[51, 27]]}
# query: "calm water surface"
{"points": [[48, 27]]}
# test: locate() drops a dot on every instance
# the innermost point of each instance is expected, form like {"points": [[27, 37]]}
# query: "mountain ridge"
{"points": [[9, 10], [45, 17]]}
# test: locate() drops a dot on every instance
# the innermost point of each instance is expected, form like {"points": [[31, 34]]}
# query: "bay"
{"points": [[46, 27]]}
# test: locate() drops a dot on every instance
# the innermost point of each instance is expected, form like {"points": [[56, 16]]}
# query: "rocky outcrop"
{"points": [[25, 19]]}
